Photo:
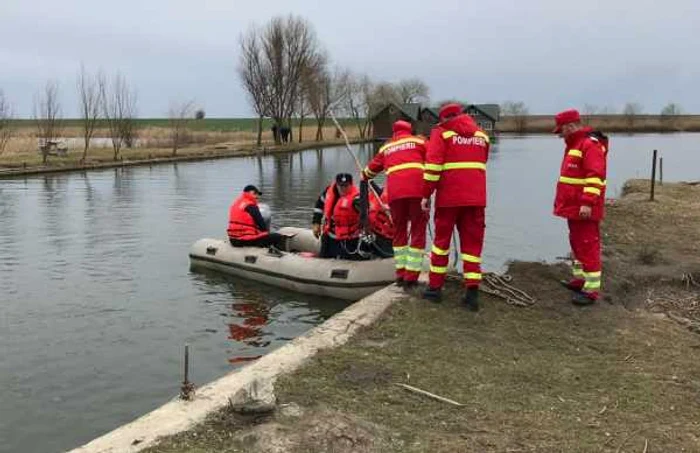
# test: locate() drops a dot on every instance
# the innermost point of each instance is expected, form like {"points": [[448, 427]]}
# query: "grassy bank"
{"points": [[615, 377]]}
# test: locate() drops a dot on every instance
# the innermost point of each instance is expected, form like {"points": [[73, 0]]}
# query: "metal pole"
{"points": [[187, 364], [653, 176], [661, 171]]}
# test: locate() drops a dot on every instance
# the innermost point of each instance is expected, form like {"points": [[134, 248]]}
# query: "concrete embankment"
{"points": [[178, 415]]}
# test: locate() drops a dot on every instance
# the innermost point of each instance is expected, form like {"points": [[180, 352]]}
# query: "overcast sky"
{"points": [[551, 54]]}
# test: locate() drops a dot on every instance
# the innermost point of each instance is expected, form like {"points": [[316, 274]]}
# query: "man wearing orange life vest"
{"points": [[580, 199], [339, 221], [380, 222], [402, 158], [246, 226], [455, 169]]}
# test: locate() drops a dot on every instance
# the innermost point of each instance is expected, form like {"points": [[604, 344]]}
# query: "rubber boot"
{"points": [[432, 294], [582, 298], [575, 285], [471, 299], [409, 284]]}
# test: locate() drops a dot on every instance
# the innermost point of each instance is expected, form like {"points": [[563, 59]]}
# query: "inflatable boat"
{"points": [[297, 267]]}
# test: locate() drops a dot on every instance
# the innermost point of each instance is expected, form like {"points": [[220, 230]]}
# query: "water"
{"points": [[97, 301]]}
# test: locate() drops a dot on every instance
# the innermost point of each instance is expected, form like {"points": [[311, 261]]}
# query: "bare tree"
{"points": [[588, 111], [90, 105], [179, 116], [413, 90], [47, 117], [6, 126], [358, 102], [519, 111], [119, 111], [255, 76], [669, 115], [630, 113], [327, 92]]}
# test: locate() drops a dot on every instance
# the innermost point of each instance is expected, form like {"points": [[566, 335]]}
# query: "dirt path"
{"points": [[618, 376]]}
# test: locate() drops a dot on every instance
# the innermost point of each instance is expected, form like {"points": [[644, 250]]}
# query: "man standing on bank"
{"points": [[455, 169], [580, 198]]}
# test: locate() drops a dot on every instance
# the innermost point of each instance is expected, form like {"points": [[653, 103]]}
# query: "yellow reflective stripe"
{"points": [[400, 247], [433, 167], [429, 177], [400, 266], [369, 172], [472, 276], [573, 181], [596, 181], [448, 134], [575, 153], [413, 268], [593, 274], [438, 269], [404, 167], [438, 251], [482, 135], [414, 259], [470, 258], [415, 140], [464, 165], [593, 190], [592, 285], [415, 250]]}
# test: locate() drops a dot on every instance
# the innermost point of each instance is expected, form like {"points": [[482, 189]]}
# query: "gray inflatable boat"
{"points": [[297, 268]]}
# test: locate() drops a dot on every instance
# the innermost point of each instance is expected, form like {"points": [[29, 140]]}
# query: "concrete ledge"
{"points": [[177, 416]]}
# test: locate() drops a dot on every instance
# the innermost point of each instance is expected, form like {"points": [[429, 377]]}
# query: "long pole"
{"points": [[661, 171], [653, 176]]}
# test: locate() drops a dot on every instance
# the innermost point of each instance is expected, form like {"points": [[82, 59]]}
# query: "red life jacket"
{"points": [[342, 221], [241, 225], [379, 220]]}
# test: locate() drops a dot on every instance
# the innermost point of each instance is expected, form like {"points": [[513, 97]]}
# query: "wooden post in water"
{"points": [[661, 171], [187, 364], [653, 176]]}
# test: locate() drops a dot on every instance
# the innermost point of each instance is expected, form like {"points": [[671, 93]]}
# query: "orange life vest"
{"points": [[342, 221], [380, 220], [241, 225]]}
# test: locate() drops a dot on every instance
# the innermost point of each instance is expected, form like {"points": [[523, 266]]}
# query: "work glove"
{"points": [[316, 228]]}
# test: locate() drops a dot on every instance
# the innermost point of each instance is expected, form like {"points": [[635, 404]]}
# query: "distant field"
{"points": [[207, 124]]}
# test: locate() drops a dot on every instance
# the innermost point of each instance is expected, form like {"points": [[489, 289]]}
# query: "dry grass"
{"points": [[549, 378], [609, 123]]}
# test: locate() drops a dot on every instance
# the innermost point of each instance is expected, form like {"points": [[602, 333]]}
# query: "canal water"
{"points": [[97, 300]]}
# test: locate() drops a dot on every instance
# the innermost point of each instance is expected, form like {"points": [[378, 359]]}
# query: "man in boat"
{"points": [[455, 169], [402, 158], [580, 199], [380, 222], [246, 226]]}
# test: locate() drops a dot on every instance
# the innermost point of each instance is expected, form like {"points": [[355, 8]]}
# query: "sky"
{"points": [[550, 54]]}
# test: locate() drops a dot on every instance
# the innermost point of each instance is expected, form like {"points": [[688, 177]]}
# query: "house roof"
{"points": [[409, 110], [492, 111]]}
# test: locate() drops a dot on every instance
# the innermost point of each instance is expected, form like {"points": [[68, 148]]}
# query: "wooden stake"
{"points": [[410, 388]]}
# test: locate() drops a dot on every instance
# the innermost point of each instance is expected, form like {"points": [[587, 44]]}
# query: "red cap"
{"points": [[449, 110], [402, 126], [566, 117]]}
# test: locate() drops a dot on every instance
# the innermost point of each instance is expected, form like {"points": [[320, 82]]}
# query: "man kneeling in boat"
{"points": [[338, 208], [246, 226]]}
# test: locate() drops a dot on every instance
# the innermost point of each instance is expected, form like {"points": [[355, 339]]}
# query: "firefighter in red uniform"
{"points": [[402, 158], [455, 168], [580, 199], [246, 226]]}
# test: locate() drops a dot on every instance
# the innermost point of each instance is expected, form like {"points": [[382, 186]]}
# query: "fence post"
{"points": [[653, 176], [661, 171]]}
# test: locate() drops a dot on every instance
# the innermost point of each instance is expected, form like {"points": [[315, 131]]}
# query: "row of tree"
{"points": [[287, 74]]}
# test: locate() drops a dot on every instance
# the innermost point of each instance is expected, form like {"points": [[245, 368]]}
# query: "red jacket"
{"points": [[455, 164], [241, 224], [582, 177], [379, 219], [342, 221], [402, 158]]}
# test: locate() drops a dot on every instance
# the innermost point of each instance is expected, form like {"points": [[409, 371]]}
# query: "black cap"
{"points": [[250, 187], [343, 178]]}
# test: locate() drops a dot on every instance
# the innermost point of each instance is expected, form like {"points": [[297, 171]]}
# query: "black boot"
{"points": [[400, 282], [582, 299], [471, 299], [409, 284], [432, 294]]}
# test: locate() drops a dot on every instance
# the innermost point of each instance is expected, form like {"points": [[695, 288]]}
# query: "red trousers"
{"points": [[471, 226], [584, 237], [408, 257]]}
